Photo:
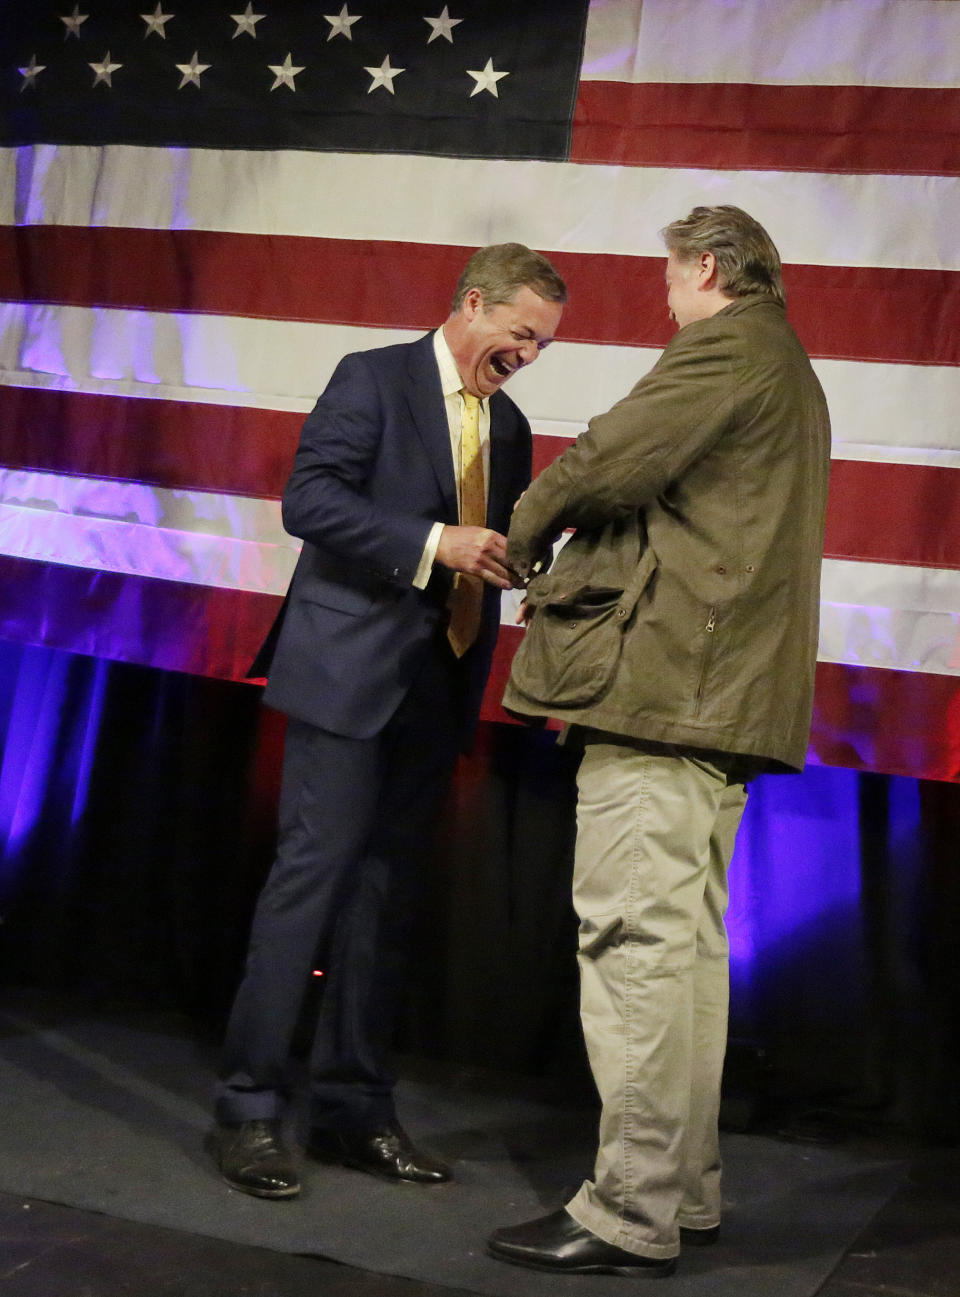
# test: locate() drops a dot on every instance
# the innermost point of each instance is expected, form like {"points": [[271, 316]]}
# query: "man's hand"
{"points": [[478, 551]]}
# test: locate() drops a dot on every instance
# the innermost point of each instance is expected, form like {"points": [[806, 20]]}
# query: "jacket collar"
{"points": [[425, 400], [747, 303]]}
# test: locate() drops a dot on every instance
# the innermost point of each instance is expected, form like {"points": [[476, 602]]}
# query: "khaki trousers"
{"points": [[655, 832]]}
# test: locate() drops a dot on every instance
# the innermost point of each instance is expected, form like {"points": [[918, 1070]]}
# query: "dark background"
{"points": [[137, 825]]}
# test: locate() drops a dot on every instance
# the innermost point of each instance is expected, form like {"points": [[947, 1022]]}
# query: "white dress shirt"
{"points": [[451, 384]]}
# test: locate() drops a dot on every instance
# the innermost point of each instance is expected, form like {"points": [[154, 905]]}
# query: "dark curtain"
{"points": [[137, 824]]}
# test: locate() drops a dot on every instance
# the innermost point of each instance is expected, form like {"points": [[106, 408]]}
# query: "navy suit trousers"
{"points": [[356, 820]]}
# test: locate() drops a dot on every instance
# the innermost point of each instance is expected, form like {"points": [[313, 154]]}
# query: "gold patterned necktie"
{"points": [[466, 596]]}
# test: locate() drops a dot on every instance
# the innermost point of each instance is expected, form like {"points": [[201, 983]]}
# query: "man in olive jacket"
{"points": [[677, 631]]}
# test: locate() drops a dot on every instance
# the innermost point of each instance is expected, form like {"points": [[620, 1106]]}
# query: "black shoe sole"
{"points": [[280, 1194], [338, 1159], [656, 1270], [329, 1155]]}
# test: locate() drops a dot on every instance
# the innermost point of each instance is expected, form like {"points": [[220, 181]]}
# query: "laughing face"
{"points": [[491, 343]]}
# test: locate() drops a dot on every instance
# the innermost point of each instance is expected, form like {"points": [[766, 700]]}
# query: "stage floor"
{"points": [[105, 1189]]}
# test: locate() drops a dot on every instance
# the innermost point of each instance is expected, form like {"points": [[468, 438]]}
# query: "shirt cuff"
{"points": [[425, 566]]}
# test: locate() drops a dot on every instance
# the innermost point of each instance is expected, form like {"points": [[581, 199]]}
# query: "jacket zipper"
{"points": [[710, 627]]}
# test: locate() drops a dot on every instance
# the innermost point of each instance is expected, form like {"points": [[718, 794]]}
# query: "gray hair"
{"points": [[747, 260], [502, 269]]}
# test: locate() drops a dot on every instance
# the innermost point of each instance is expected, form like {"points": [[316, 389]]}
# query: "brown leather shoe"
{"points": [[559, 1243], [387, 1151], [253, 1158]]}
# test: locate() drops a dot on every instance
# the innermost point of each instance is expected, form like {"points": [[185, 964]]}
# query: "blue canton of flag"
{"points": [[373, 76]]}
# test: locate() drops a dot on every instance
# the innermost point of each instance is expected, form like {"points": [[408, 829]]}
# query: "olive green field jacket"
{"points": [[684, 609]]}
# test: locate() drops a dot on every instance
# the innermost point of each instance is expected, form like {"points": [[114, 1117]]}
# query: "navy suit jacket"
{"points": [[373, 471]]}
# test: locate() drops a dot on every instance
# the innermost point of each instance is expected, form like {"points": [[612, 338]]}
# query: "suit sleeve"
{"points": [[325, 501], [631, 454]]}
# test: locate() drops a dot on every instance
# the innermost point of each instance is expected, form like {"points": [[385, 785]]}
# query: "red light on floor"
{"points": [[318, 972]]}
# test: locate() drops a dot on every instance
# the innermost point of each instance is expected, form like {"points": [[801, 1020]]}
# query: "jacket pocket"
{"points": [[341, 598], [571, 650]]}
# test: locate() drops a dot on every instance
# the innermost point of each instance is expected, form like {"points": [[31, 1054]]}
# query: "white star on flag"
{"points": [[442, 25], [486, 80], [341, 23], [31, 72], [383, 76], [155, 23], [284, 74], [246, 22], [191, 71], [72, 23], [105, 70]]}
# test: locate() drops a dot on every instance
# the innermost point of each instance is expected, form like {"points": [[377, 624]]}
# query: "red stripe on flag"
{"points": [[267, 276], [893, 513], [164, 443], [875, 314], [166, 624], [895, 722], [546, 450], [880, 129], [877, 512], [840, 312]]}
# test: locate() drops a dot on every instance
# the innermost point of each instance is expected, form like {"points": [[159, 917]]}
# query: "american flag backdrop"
{"points": [[205, 205]]}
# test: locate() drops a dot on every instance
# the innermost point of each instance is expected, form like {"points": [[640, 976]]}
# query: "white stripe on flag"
{"points": [[223, 514], [269, 363], [134, 389], [872, 614], [790, 42], [815, 218], [904, 618], [35, 528]]}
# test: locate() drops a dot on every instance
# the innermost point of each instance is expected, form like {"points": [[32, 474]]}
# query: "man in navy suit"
{"points": [[402, 488]]}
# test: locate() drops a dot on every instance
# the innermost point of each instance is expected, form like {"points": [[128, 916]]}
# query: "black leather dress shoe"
{"points": [[253, 1158], [387, 1151], [559, 1243], [699, 1237]]}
